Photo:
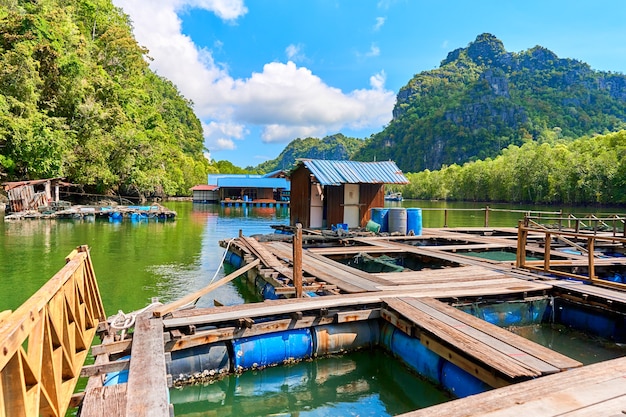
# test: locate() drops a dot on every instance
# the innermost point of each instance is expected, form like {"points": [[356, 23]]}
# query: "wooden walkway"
{"points": [[492, 354]]}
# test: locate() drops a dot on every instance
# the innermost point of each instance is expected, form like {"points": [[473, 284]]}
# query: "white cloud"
{"points": [[220, 136], [285, 100], [380, 21], [294, 53], [374, 51]]}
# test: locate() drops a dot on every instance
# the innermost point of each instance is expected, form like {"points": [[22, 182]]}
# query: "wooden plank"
{"points": [[191, 298], [147, 382], [321, 273], [229, 333], [503, 283], [508, 398], [105, 401], [353, 250], [104, 368], [469, 345], [518, 348], [121, 346], [555, 359]]}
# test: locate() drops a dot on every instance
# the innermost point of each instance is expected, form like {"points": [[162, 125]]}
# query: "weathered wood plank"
{"points": [[147, 383], [499, 402], [463, 342], [546, 355], [105, 401]]}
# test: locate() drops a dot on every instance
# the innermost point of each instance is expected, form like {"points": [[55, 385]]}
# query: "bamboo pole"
{"points": [[191, 298]]}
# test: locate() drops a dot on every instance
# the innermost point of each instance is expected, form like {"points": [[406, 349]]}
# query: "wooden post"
{"points": [[445, 218], [590, 254], [521, 245], [546, 252], [487, 216], [297, 260]]}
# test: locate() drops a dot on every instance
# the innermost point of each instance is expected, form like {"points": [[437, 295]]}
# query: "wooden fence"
{"points": [[584, 243], [45, 341]]}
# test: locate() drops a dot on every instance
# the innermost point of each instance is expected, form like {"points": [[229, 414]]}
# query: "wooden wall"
{"points": [[333, 201], [300, 202], [370, 195]]}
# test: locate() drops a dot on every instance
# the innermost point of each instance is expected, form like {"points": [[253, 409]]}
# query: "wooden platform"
{"points": [[408, 300], [492, 354], [590, 391]]}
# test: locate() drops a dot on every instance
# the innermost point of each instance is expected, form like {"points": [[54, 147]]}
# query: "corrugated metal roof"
{"points": [[243, 182], [204, 187], [355, 172]]}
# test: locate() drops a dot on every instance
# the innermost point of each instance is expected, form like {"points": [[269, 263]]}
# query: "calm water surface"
{"points": [[137, 261]]}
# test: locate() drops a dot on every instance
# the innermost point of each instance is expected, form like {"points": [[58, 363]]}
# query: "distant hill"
{"points": [[338, 147], [482, 99]]}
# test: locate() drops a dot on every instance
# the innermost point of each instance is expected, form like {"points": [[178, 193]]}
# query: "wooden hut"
{"points": [[33, 194], [324, 193]]}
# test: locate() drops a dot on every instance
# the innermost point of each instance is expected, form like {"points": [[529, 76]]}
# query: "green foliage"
{"points": [[483, 99], [335, 147], [586, 170], [77, 99]]}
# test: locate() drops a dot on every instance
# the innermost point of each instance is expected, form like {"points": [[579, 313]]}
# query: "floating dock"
{"points": [[112, 213], [339, 293]]}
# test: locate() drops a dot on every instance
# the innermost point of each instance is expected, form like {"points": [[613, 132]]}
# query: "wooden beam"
{"points": [[89, 371], [148, 393], [297, 260], [191, 298]]}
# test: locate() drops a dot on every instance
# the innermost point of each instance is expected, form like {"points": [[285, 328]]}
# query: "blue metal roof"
{"points": [[255, 182], [354, 172], [214, 178]]}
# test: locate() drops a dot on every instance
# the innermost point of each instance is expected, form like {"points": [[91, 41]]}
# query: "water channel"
{"points": [[135, 262]]}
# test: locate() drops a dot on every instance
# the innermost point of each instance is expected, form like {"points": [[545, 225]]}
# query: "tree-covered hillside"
{"points": [[482, 99], [78, 100], [588, 170], [338, 147]]}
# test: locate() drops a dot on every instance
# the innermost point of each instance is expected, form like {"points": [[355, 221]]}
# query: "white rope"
{"points": [[122, 321], [219, 267]]}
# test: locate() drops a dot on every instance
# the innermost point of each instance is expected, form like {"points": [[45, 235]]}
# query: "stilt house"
{"points": [[325, 193]]}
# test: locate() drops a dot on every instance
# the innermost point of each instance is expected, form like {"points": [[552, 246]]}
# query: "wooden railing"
{"points": [[487, 210], [585, 243], [44, 343]]}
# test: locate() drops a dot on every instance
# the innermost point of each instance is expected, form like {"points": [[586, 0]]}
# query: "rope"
{"points": [[122, 321], [219, 267]]}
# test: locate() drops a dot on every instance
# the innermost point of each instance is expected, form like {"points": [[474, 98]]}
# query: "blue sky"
{"points": [[264, 72]]}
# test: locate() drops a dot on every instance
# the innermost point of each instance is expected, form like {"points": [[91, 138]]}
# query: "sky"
{"points": [[261, 73]]}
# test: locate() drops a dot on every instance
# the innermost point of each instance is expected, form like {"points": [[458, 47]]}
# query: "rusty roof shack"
{"points": [[324, 193], [33, 194]]}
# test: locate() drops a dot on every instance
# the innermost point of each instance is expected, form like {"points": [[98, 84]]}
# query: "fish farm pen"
{"points": [[439, 300]]}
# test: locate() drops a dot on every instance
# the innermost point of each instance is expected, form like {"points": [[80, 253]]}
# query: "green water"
{"points": [[364, 383]]}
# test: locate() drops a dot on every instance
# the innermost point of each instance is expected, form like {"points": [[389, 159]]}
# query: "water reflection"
{"points": [[364, 383]]}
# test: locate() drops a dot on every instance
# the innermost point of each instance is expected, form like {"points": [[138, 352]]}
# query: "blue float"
{"points": [[380, 216], [414, 221], [213, 357], [272, 349]]}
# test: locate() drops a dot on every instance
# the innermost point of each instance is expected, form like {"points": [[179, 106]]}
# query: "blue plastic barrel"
{"points": [[233, 259], [417, 356], [397, 220], [380, 216], [414, 221], [460, 382], [272, 348], [213, 357], [345, 337]]}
